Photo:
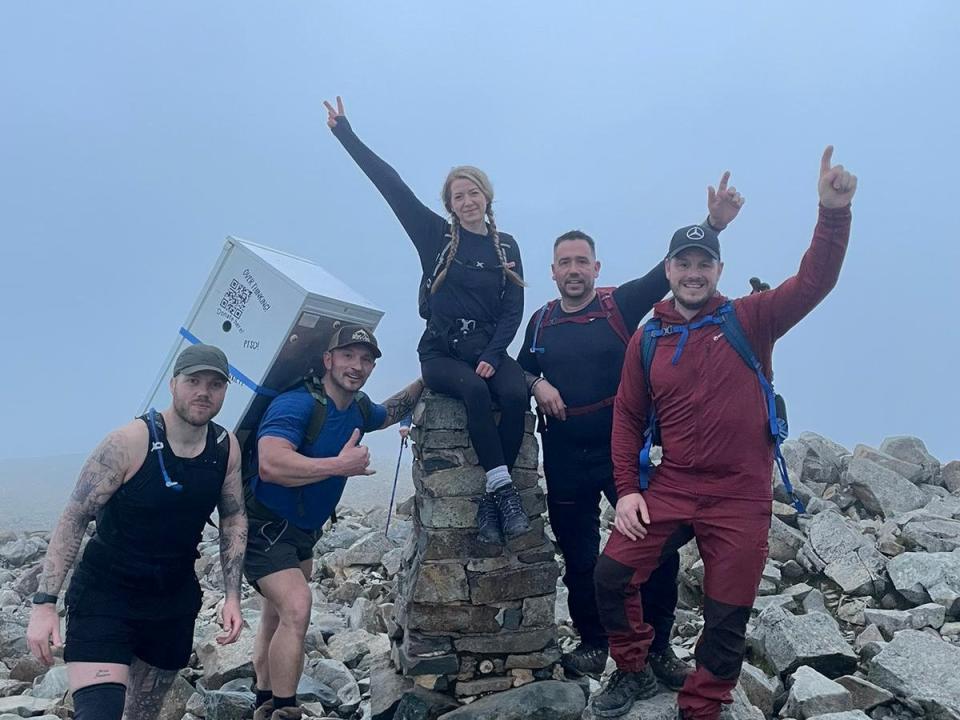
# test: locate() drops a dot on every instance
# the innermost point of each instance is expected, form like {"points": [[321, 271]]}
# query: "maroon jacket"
{"points": [[713, 419]]}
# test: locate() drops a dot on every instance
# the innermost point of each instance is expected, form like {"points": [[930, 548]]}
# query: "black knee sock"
{"points": [[262, 695], [103, 701], [282, 702]]}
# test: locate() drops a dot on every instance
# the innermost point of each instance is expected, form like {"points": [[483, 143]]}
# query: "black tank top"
{"points": [[148, 531]]}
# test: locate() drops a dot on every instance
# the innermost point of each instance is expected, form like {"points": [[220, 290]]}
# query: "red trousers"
{"points": [[731, 534]]}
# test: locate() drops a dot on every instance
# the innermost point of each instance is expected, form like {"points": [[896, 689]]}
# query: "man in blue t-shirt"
{"points": [[295, 491]]}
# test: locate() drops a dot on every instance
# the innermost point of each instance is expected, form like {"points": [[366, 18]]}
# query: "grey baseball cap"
{"points": [[695, 236], [352, 335], [199, 357]]}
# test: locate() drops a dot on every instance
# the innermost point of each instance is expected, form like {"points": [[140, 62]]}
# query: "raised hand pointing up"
{"points": [[724, 203], [333, 114], [836, 186]]}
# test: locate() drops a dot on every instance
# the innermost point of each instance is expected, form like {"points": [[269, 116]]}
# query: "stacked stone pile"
{"points": [[472, 618]]}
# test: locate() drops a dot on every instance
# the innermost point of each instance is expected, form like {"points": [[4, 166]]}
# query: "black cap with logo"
{"points": [[695, 236], [199, 357], [353, 335]]}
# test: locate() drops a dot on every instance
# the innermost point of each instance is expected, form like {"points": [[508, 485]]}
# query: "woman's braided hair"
{"points": [[480, 179]]}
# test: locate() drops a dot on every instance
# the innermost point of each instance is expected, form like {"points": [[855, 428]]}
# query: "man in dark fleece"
{"points": [[713, 482], [572, 354]]}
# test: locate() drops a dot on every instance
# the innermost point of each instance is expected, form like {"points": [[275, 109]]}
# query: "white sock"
{"points": [[497, 478]]}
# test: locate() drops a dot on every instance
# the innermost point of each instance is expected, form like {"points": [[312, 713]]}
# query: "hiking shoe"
{"points": [[264, 711], [513, 519], [291, 712], [622, 690], [668, 668], [585, 660], [488, 520]]}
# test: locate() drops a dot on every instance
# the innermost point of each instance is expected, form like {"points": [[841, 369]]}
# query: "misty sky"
{"points": [[134, 137]]}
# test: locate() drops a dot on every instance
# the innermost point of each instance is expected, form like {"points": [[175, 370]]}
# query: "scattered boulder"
{"points": [[912, 450], [812, 694], [784, 642], [918, 666], [882, 492]]}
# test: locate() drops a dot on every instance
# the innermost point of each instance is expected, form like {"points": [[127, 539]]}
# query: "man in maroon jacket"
{"points": [[713, 482]]}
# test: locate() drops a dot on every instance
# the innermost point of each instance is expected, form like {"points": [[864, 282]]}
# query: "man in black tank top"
{"points": [[572, 355], [133, 599]]}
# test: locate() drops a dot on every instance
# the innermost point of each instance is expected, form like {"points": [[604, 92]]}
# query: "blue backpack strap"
{"points": [[648, 347], [156, 445], [541, 316], [776, 411]]}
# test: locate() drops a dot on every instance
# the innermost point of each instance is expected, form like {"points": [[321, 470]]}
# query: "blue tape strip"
{"points": [[266, 392]]}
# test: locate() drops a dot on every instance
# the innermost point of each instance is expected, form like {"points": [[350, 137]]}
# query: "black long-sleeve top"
{"points": [[584, 360], [474, 288]]}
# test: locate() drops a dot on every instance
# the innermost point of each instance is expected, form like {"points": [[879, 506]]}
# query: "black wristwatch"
{"points": [[42, 598]]}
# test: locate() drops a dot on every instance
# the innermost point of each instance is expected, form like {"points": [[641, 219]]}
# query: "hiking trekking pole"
{"points": [[396, 476]]}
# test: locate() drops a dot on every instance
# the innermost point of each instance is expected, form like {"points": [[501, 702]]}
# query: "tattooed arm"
{"points": [[401, 404], [233, 543], [118, 456]]}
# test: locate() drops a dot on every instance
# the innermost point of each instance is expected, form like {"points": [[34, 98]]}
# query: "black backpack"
{"points": [[318, 417]]}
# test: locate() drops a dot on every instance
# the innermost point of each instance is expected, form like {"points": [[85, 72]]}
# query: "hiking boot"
{"points": [[513, 519], [668, 668], [488, 520], [264, 711], [585, 660], [622, 690], [291, 712]]}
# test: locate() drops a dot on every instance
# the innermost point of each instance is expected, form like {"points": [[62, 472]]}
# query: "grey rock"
{"points": [[547, 700], [787, 602], [350, 646], [220, 705], [783, 541], [26, 706], [422, 704], [515, 642], [387, 688], [820, 458], [786, 642], [912, 450], [513, 583], [483, 685], [21, 551], [922, 668], [907, 470], [441, 618], [27, 668], [364, 614], [882, 491], [533, 661], [309, 689], [950, 475], [926, 577], [10, 687], [539, 611], [391, 561], [440, 582], [930, 533], [761, 689], [812, 694], [222, 663], [334, 674], [845, 556], [369, 550], [864, 694], [52, 684], [889, 621], [815, 602], [846, 715]]}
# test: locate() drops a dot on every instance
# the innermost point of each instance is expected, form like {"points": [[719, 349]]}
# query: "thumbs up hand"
{"points": [[354, 458]]}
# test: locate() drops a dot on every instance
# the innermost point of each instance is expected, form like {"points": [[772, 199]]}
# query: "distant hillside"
{"points": [[33, 490]]}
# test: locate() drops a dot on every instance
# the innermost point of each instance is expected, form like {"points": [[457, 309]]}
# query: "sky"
{"points": [[134, 137]]}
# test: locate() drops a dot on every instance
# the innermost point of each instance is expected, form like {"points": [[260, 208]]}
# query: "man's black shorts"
{"points": [[273, 543], [111, 624]]}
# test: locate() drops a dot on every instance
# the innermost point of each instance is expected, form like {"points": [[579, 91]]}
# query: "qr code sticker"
{"points": [[235, 299]]}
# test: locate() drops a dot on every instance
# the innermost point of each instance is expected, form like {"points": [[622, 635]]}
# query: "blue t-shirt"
{"points": [[287, 417]]}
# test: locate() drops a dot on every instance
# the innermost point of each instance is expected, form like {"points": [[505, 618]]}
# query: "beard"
{"points": [[191, 415]]}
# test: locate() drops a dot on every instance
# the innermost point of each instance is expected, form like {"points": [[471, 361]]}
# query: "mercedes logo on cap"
{"points": [[360, 335], [695, 233]]}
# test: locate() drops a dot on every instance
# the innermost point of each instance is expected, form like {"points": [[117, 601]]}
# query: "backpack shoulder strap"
{"points": [[318, 415], [648, 346], [735, 335], [541, 316], [612, 311], [366, 410]]}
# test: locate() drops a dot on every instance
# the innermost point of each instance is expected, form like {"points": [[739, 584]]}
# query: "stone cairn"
{"points": [[471, 618]]}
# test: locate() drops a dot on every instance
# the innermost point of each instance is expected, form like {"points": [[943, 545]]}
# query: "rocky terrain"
{"points": [[858, 614]]}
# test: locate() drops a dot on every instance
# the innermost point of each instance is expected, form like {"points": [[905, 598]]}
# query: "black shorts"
{"points": [[273, 543], [111, 623]]}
